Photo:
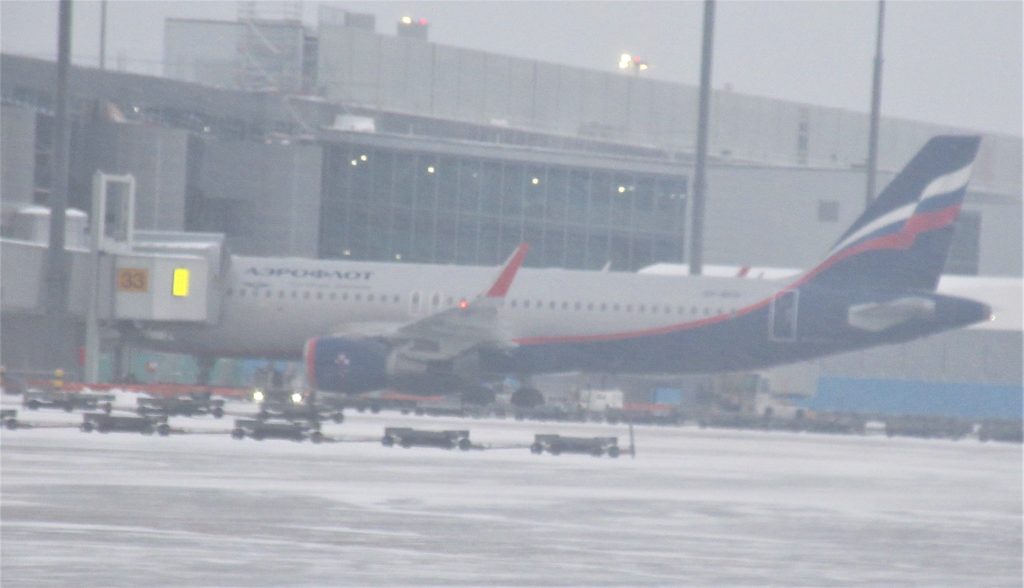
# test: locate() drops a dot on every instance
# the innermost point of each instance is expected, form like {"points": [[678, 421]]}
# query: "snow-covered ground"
{"points": [[696, 507]]}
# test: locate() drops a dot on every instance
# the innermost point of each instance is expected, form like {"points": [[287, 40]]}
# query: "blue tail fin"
{"points": [[902, 240]]}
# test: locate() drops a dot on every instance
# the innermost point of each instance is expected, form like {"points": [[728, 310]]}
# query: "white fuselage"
{"points": [[271, 306]]}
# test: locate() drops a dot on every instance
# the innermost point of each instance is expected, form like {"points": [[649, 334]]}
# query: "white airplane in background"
{"points": [[364, 326]]}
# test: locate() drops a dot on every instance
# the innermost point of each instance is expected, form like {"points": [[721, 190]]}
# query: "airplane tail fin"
{"points": [[903, 238]]}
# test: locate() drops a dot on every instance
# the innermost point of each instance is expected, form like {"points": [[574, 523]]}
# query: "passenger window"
{"points": [[654, 309], [280, 293], [319, 295], [629, 308], [603, 307], [268, 294], [305, 295], [590, 306], [526, 304], [615, 307], [228, 292], [241, 292], [512, 303], [565, 306], [369, 297], [358, 297], [578, 306], [642, 308], [397, 299], [551, 305], [331, 295], [668, 310]]}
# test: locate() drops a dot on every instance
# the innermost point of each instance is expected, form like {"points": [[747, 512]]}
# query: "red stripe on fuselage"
{"points": [[915, 225]]}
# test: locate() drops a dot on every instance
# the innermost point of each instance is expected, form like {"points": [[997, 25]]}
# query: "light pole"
{"points": [[699, 183], [876, 98]]}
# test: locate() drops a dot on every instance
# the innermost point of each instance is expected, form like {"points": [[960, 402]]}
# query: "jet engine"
{"points": [[351, 365]]}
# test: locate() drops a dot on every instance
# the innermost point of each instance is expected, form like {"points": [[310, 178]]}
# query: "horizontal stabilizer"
{"points": [[880, 316]]}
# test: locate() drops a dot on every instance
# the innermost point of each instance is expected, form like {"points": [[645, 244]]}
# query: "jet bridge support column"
{"points": [[118, 190]]}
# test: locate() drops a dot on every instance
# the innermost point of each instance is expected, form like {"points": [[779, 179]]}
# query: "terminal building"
{"points": [[344, 142]]}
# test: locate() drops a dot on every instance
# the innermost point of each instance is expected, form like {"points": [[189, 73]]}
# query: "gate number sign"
{"points": [[132, 280]]}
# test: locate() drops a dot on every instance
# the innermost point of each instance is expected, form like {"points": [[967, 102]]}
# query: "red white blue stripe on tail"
{"points": [[902, 240]]}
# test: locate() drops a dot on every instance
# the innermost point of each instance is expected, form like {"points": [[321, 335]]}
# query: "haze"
{"points": [[952, 63]]}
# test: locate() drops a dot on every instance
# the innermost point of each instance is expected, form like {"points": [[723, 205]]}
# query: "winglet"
{"points": [[508, 273]]}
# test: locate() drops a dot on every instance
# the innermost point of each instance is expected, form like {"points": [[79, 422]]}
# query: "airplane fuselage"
{"points": [[559, 320]]}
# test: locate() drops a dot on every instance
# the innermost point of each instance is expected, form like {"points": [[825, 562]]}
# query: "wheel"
{"points": [[555, 450], [87, 427], [68, 407], [537, 449], [465, 445], [108, 408], [420, 412], [338, 417], [238, 434], [164, 429], [11, 424], [613, 452], [317, 437], [405, 443], [257, 435], [33, 405], [361, 408], [147, 430], [387, 441], [217, 412], [103, 428], [375, 408], [597, 452]]}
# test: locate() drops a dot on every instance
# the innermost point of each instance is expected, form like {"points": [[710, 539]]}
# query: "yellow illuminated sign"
{"points": [[180, 285]]}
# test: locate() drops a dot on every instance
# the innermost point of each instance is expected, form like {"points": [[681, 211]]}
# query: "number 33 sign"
{"points": [[132, 280]]}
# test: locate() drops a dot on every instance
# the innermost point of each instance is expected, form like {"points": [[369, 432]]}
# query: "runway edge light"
{"points": [[179, 286]]}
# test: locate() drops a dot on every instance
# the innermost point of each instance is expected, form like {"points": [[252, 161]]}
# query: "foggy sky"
{"points": [[952, 63]]}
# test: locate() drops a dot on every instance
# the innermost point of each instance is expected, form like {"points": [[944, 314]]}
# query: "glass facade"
{"points": [[388, 204]]}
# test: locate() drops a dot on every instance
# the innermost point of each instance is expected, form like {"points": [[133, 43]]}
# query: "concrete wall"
{"points": [[968, 355], [769, 216], [999, 249], [156, 156], [268, 195], [416, 76], [203, 52], [17, 157]]}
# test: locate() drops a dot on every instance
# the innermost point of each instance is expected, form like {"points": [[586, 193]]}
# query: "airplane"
{"points": [[364, 326]]}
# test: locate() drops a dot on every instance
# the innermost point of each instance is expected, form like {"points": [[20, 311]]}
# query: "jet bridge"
{"points": [[116, 275]]}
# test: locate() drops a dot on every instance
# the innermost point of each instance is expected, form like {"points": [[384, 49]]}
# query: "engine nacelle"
{"points": [[340, 364], [352, 365]]}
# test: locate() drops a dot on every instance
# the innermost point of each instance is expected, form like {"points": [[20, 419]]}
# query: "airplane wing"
{"points": [[453, 331], [879, 316]]}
